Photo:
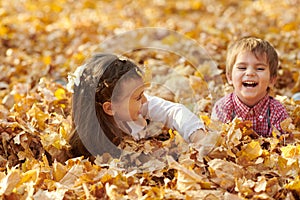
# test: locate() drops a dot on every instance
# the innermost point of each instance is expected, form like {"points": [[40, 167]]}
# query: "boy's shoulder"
{"points": [[275, 104], [277, 109], [223, 108]]}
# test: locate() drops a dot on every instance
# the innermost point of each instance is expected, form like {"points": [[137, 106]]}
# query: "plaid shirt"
{"points": [[267, 113]]}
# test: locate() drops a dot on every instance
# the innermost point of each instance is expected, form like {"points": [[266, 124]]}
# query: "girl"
{"points": [[109, 102]]}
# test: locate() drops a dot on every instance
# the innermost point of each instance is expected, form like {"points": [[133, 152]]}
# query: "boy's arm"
{"points": [[173, 115]]}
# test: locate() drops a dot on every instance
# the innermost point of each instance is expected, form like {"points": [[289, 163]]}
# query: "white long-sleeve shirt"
{"points": [[165, 113]]}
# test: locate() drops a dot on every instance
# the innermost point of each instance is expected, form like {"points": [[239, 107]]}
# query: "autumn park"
{"points": [[182, 45]]}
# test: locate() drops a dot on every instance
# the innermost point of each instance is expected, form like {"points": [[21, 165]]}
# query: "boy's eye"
{"points": [[260, 68]]}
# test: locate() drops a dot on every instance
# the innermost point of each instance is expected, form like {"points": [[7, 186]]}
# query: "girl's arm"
{"points": [[173, 115]]}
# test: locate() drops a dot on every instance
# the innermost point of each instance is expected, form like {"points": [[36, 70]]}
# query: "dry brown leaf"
{"points": [[224, 173]]}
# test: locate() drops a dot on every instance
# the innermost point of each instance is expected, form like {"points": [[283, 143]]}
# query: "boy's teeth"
{"points": [[249, 84]]}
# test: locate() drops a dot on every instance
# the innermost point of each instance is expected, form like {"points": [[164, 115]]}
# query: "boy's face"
{"points": [[250, 77], [130, 101]]}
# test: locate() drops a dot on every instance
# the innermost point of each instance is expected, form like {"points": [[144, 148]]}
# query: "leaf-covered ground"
{"points": [[43, 41]]}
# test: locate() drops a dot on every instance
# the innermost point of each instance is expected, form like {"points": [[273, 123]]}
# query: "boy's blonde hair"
{"points": [[258, 47]]}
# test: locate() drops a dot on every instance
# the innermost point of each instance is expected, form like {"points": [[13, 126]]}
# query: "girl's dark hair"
{"points": [[95, 131]]}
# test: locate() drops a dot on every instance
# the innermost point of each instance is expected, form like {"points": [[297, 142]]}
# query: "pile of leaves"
{"points": [[43, 41]]}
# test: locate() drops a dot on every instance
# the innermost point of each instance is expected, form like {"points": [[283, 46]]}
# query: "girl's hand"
{"points": [[205, 141]]}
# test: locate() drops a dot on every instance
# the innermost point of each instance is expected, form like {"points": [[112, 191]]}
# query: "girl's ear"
{"points": [[229, 78], [107, 108]]}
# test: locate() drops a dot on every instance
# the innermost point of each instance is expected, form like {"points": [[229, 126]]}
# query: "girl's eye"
{"points": [[241, 67]]}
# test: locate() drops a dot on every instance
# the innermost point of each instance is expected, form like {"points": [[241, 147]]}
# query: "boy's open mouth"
{"points": [[250, 84]]}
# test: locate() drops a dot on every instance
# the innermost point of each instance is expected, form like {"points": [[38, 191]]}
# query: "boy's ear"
{"points": [[273, 81], [229, 78], [107, 108]]}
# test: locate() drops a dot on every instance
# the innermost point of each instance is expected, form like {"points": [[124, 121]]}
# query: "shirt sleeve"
{"points": [[173, 115]]}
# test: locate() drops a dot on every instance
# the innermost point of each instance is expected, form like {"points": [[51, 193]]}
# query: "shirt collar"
{"points": [[259, 109]]}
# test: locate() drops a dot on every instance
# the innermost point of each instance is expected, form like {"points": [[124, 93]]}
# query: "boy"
{"points": [[251, 67]]}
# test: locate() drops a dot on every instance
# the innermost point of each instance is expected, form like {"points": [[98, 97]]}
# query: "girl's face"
{"points": [[250, 77], [130, 101]]}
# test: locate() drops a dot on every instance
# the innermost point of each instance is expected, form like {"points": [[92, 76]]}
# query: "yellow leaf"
{"points": [[205, 119], [31, 175], [196, 5], [55, 7], [250, 151], [286, 125], [294, 185], [105, 178], [38, 116], [59, 171], [9, 182], [290, 151], [172, 134], [3, 30], [79, 57], [169, 40], [290, 26], [46, 60], [60, 94], [62, 132]]}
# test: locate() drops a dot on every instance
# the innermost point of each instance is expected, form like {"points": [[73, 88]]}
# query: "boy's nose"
{"points": [[250, 71]]}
